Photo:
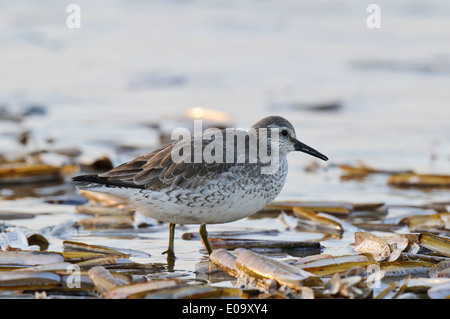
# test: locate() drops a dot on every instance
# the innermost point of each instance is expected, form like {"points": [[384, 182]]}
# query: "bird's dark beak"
{"points": [[299, 146]]}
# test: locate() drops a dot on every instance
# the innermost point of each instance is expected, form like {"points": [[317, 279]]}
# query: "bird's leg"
{"points": [[204, 236], [170, 251]]}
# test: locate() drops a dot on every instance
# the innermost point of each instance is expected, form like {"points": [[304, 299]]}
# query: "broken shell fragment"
{"points": [[39, 240], [104, 280], [225, 260], [368, 243], [104, 199]]}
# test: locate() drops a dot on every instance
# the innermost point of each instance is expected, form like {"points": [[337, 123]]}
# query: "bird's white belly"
{"points": [[236, 206]]}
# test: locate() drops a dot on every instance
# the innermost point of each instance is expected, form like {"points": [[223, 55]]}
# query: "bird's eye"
{"points": [[284, 133]]}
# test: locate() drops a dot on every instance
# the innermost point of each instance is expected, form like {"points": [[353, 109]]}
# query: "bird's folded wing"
{"points": [[157, 170]]}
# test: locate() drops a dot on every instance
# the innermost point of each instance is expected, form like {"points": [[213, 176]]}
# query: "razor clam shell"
{"points": [[75, 256], [440, 245], [47, 267], [122, 210], [227, 243], [83, 247], [196, 292], [28, 278], [334, 261], [404, 268], [329, 270], [441, 291], [426, 282], [225, 260], [6, 215], [102, 262], [263, 267], [134, 290], [78, 246], [39, 240], [102, 222], [103, 280], [331, 207], [317, 222], [101, 198], [29, 258], [419, 180], [442, 269]]}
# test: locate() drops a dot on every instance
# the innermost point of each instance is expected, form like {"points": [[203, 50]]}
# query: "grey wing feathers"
{"points": [[157, 170]]}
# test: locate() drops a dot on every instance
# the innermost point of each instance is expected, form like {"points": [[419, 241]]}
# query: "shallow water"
{"points": [[135, 64]]}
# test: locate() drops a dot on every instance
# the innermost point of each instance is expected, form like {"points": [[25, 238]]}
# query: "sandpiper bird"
{"points": [[205, 192]]}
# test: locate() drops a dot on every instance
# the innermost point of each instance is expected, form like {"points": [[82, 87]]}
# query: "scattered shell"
{"points": [[196, 292], [196, 235], [104, 280], [330, 207], [226, 243], [418, 223], [440, 291], [341, 268], [404, 268], [28, 173], [77, 246], [103, 199], [100, 222], [263, 267], [348, 287], [39, 240], [30, 279], [419, 180], [75, 256], [47, 267], [123, 210], [368, 243], [225, 260], [8, 215], [101, 262], [333, 261], [363, 170], [440, 270], [29, 258], [135, 290], [319, 223], [440, 245]]}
